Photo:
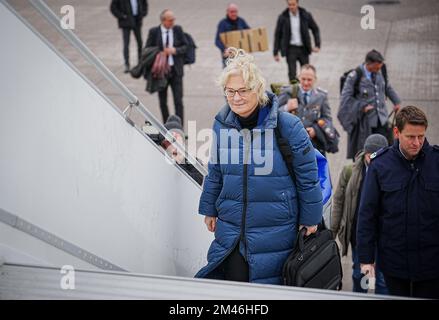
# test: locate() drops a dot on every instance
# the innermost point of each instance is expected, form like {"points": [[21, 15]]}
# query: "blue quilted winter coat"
{"points": [[255, 201]]}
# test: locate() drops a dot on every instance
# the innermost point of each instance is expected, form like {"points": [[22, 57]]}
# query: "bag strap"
{"points": [[294, 90], [285, 150], [287, 156], [359, 73]]}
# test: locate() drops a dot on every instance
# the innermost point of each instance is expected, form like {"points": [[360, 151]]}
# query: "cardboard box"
{"points": [[259, 39], [239, 39], [250, 40]]}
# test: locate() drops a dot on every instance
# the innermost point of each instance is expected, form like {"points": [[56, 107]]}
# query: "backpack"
{"points": [[359, 73], [189, 57]]}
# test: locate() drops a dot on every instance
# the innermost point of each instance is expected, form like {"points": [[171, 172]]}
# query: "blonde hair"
{"points": [[241, 63]]}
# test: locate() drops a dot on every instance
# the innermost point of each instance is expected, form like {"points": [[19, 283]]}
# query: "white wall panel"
{"points": [[70, 164]]}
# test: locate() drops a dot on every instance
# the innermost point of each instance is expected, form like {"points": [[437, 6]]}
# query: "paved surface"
{"points": [[407, 34]]}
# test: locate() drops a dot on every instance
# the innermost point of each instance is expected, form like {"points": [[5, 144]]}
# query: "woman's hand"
{"points": [[368, 270], [210, 223], [309, 229]]}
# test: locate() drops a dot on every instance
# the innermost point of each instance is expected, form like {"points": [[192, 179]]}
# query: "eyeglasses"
{"points": [[243, 92]]}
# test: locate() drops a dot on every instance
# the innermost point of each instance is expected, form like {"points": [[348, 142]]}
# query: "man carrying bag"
{"points": [[363, 109]]}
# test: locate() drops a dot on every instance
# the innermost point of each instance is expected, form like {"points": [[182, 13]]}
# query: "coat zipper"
{"points": [[245, 186]]}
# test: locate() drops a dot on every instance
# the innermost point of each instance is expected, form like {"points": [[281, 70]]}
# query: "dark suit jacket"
{"points": [[180, 44], [282, 34], [121, 9]]}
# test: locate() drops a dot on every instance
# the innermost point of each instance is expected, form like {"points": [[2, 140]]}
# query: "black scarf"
{"points": [[251, 121]]}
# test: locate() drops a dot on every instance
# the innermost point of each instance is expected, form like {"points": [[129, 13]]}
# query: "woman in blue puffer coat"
{"points": [[249, 200]]}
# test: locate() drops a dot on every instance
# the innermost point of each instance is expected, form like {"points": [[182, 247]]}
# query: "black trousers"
{"points": [[126, 42], [176, 83], [428, 289], [294, 54], [235, 268], [381, 129]]}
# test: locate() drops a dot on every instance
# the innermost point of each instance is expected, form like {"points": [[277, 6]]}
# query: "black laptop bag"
{"points": [[315, 262]]}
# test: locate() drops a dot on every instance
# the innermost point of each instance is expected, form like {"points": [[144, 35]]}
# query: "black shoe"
{"points": [[127, 68]]}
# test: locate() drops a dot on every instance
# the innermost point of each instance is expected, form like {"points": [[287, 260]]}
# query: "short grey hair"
{"points": [[242, 63], [162, 14], [309, 67]]}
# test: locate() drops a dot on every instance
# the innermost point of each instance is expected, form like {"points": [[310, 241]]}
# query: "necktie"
{"points": [[374, 77], [167, 39], [305, 98]]}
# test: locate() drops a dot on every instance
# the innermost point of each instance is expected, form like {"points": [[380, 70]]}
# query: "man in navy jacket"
{"points": [[231, 22], [399, 210]]}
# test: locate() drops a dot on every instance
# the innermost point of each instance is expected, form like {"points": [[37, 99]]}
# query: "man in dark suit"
{"points": [[292, 36], [171, 40], [130, 14]]}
